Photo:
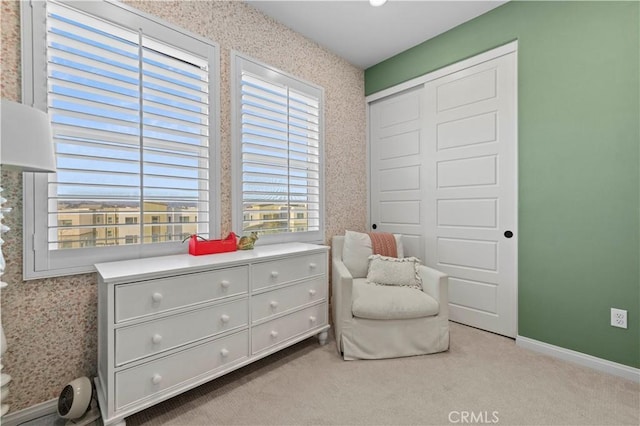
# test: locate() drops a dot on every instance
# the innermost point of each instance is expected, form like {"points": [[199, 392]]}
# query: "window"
{"points": [[134, 111], [277, 154]]}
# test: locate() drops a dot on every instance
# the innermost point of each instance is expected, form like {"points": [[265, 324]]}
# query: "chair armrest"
{"points": [[342, 290], [436, 285]]}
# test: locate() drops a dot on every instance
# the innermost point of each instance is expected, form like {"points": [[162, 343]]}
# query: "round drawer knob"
{"points": [[225, 284], [312, 319], [274, 334], [224, 318], [157, 297], [312, 292], [274, 274], [156, 339], [224, 352], [312, 266], [156, 379], [273, 304]]}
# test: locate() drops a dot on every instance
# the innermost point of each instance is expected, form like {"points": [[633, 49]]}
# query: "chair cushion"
{"points": [[357, 249], [383, 302]]}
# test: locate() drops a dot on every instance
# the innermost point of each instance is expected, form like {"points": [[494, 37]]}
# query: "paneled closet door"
{"points": [[471, 191], [396, 157], [443, 172]]}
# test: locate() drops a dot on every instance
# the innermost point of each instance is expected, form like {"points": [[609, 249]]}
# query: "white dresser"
{"points": [[168, 324]]}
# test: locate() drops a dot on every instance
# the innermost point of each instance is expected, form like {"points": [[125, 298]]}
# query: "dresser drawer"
{"points": [[145, 380], [273, 332], [153, 296], [283, 299], [284, 270], [155, 336]]}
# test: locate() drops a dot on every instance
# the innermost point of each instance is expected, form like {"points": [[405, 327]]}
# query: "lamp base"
{"points": [[4, 378]]}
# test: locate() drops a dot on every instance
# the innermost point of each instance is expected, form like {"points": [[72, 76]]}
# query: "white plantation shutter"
{"points": [[279, 126], [175, 154], [133, 118]]}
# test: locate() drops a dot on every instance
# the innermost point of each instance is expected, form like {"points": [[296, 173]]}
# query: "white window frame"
{"points": [[240, 61], [39, 261]]}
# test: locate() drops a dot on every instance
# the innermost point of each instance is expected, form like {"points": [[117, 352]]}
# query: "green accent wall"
{"points": [[579, 162]]}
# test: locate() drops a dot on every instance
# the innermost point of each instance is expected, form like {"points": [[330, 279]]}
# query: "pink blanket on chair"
{"points": [[384, 244]]}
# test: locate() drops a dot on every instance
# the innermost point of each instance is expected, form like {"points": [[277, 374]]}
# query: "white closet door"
{"points": [[396, 156], [471, 191]]}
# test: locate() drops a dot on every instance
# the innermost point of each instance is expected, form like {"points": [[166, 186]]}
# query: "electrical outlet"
{"points": [[618, 318]]}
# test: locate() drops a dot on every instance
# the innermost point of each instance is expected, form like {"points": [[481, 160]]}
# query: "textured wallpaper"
{"points": [[50, 324]]}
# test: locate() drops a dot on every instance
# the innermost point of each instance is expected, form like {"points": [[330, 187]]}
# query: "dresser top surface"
{"points": [[152, 267]]}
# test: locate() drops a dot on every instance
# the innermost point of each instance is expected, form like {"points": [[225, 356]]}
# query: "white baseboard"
{"points": [[590, 361], [30, 413]]}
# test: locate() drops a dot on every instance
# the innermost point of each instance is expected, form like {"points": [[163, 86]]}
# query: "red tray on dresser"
{"points": [[199, 246]]}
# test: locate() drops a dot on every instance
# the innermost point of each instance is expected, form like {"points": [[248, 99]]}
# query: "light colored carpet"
{"points": [[482, 373]]}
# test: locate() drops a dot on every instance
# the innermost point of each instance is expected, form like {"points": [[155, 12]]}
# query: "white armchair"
{"points": [[372, 322]]}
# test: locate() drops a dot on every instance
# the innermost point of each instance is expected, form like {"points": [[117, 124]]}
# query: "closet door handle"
{"points": [[508, 234], [374, 226]]}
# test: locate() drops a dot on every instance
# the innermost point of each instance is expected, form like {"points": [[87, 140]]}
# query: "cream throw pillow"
{"points": [[357, 249], [391, 271]]}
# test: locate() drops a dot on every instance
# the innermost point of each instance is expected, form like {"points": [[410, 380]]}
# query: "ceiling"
{"points": [[365, 35]]}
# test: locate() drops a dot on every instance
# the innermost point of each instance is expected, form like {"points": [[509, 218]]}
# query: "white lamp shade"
{"points": [[26, 143]]}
